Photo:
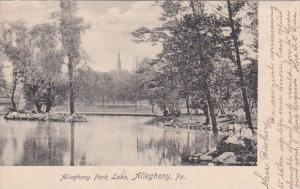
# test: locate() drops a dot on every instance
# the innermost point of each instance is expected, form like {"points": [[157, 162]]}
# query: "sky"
{"points": [[111, 24]]}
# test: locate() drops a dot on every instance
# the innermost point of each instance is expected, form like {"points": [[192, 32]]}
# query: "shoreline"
{"points": [[103, 114]]}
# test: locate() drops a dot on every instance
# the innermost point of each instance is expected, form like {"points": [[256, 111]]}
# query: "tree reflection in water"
{"points": [[3, 142], [101, 141], [72, 143], [175, 145], [44, 146], [73, 154], [11, 145]]}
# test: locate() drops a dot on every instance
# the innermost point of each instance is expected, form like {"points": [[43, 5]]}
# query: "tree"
{"points": [[16, 47], [42, 80], [225, 84], [93, 86], [144, 73], [251, 69], [71, 28], [123, 82], [3, 84], [233, 8], [198, 58], [251, 81], [191, 41]]}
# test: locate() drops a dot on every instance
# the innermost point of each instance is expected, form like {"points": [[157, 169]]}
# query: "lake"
{"points": [[104, 140]]}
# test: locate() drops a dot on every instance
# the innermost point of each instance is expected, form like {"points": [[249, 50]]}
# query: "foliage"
{"points": [[43, 82], [70, 29], [16, 48], [198, 59]]}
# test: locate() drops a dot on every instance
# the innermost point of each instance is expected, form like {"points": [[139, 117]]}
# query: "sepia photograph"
{"points": [[128, 83]]}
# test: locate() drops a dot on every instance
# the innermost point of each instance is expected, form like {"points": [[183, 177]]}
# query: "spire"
{"points": [[119, 64]]}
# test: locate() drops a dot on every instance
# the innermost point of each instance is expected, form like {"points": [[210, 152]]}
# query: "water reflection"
{"points": [[102, 141], [44, 145], [72, 143], [174, 145]]}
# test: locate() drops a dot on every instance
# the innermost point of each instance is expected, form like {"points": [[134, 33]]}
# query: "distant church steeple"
{"points": [[119, 64]]}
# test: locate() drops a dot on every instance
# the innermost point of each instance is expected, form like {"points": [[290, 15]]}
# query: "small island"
{"points": [[59, 117]]}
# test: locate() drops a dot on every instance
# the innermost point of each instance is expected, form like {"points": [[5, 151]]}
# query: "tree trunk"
{"points": [[18, 101], [71, 84], [152, 108], [48, 106], [206, 76], [14, 108], [107, 100], [211, 108], [221, 108], [165, 112], [12, 98], [240, 70], [206, 113], [49, 103], [187, 106], [38, 107]]}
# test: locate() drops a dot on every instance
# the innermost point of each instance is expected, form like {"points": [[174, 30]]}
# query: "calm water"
{"points": [[104, 140]]}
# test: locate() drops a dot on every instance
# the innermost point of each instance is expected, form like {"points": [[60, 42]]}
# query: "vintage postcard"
{"points": [[153, 94]]}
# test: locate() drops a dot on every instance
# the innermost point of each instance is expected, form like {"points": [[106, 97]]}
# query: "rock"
{"points": [[169, 123], [226, 158], [23, 116], [159, 119], [247, 158], [76, 118], [199, 158], [206, 158], [39, 116], [194, 159], [11, 115], [56, 117]]}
